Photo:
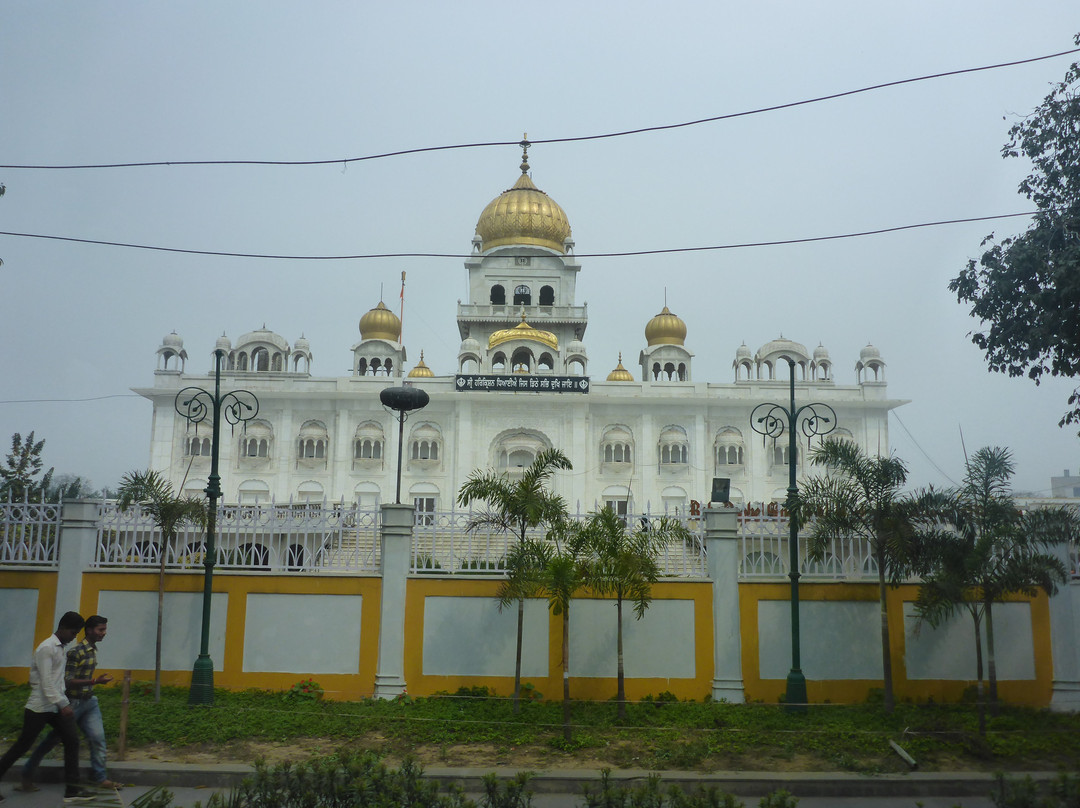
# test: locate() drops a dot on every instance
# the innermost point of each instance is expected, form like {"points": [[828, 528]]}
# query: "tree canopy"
{"points": [[1025, 289], [20, 469]]}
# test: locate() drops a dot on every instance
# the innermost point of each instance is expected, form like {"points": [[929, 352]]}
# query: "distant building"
{"points": [[522, 384], [1066, 486]]}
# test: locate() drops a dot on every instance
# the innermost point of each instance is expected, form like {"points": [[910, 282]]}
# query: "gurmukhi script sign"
{"points": [[523, 383]]}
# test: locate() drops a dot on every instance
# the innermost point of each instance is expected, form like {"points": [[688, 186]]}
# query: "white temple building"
{"points": [[522, 384]]}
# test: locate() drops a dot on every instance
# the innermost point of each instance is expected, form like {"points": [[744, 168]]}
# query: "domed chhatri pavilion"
{"points": [[522, 384]]}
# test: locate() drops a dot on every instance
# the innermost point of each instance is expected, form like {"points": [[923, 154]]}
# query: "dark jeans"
{"points": [[33, 724]]}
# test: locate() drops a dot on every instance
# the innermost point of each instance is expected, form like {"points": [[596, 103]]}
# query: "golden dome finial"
{"points": [[620, 374], [524, 153]]}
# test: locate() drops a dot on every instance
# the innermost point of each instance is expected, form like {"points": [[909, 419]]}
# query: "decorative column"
{"points": [[723, 551], [396, 548], [1065, 640]]}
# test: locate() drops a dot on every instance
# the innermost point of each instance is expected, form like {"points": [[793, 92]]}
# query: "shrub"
{"points": [[305, 690]]}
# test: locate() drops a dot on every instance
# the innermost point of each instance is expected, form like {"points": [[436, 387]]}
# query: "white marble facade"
{"points": [[523, 383]]}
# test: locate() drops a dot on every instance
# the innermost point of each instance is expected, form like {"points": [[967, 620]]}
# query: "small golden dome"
{"points": [[421, 371], [523, 215], [524, 331], [380, 323], [665, 329], [620, 374]]}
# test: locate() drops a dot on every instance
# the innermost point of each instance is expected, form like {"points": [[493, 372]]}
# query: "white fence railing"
{"points": [[29, 534], [343, 538], [292, 538], [764, 533], [443, 543]]}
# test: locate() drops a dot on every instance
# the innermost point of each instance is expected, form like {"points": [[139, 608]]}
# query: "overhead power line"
{"points": [[572, 139], [625, 254]]}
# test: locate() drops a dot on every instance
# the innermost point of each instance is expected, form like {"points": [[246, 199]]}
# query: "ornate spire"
{"points": [[524, 153]]}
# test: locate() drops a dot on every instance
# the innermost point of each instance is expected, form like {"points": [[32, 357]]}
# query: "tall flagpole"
{"points": [[401, 316]]}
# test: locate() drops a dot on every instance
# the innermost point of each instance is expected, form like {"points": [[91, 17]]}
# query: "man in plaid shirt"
{"points": [[79, 680]]}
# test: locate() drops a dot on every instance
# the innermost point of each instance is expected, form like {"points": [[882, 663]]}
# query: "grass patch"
{"points": [[656, 735]]}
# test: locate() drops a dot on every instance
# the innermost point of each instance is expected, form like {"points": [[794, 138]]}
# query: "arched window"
{"points": [[521, 361], [498, 295], [729, 447], [547, 296], [313, 442], [260, 359], [361, 367], [520, 459], [498, 362], [616, 445], [424, 443], [375, 368], [545, 363], [241, 361], [255, 441], [656, 371], [275, 362], [522, 296], [674, 447], [781, 455], [253, 492]]}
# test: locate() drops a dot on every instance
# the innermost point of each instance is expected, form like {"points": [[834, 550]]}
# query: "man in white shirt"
{"points": [[49, 705]]}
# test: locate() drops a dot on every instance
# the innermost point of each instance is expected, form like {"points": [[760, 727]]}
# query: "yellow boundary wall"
{"points": [[238, 587]]}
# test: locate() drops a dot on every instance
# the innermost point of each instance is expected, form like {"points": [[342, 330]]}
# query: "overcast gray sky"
{"points": [[150, 81]]}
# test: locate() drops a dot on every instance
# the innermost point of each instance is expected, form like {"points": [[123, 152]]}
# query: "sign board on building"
{"points": [[522, 382]]}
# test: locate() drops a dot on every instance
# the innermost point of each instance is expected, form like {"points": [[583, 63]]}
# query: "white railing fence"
{"points": [[29, 533], [344, 538], [444, 544], [296, 537]]}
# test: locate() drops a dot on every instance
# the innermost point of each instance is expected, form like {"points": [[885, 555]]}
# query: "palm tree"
{"points": [[153, 493], [860, 497], [518, 506], [985, 549], [625, 565], [560, 578]]}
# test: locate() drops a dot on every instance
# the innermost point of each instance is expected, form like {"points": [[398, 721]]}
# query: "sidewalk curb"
{"points": [[571, 781]]}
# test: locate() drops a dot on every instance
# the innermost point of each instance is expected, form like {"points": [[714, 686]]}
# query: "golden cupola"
{"points": [[421, 371], [620, 374], [380, 323], [666, 329], [526, 332], [523, 215]]}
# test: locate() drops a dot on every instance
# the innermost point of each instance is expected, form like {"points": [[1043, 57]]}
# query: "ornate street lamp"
{"points": [[195, 405], [771, 420], [402, 400]]}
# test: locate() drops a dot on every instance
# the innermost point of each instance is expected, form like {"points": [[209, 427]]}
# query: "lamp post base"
{"points": [[795, 697], [202, 681]]}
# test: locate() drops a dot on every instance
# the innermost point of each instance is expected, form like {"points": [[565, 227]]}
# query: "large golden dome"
{"points": [[524, 331], [380, 323], [523, 215], [665, 329]]}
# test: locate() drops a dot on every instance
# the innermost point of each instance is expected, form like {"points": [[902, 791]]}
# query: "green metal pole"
{"points": [[796, 682], [202, 676]]}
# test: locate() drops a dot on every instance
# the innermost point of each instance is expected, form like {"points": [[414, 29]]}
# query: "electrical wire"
{"points": [[624, 254], [571, 139]]}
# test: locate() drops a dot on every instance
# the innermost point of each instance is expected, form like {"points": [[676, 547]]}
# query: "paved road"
{"points": [[51, 796]]}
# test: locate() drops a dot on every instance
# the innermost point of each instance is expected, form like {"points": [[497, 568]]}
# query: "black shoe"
{"points": [[78, 794]]}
